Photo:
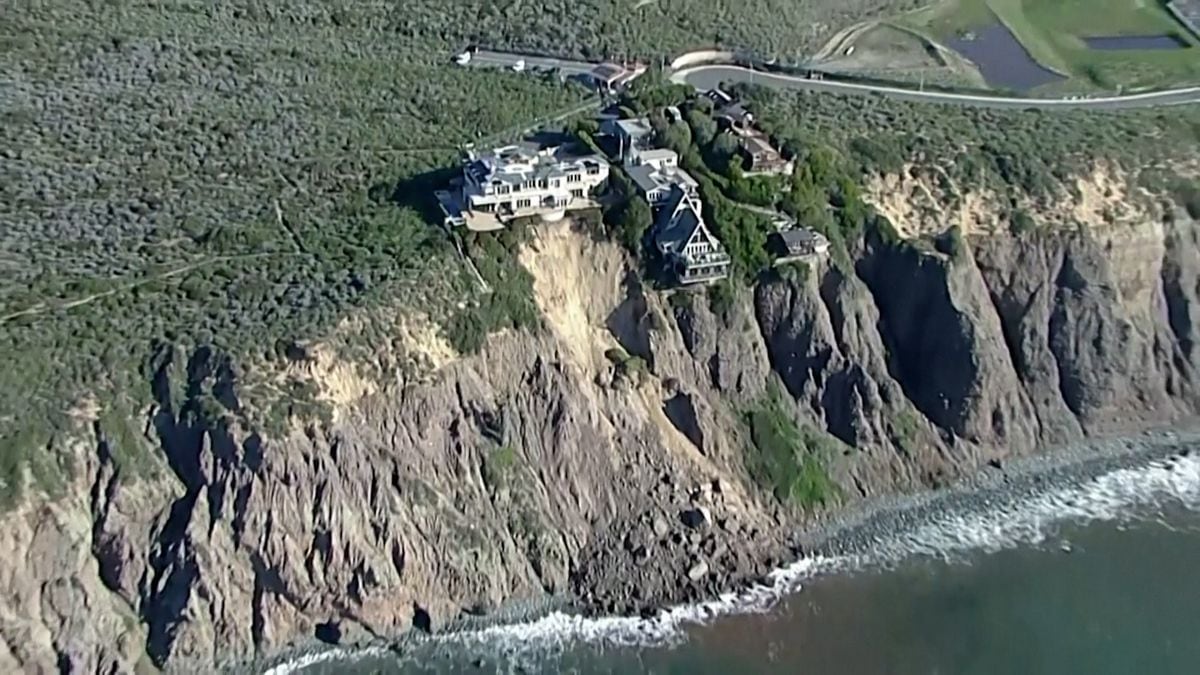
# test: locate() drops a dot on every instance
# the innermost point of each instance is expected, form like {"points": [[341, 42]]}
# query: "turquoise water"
{"points": [[1094, 579]]}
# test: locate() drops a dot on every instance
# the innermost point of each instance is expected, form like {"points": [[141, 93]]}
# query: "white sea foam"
{"points": [[559, 628], [1029, 520], [300, 663], [988, 524]]}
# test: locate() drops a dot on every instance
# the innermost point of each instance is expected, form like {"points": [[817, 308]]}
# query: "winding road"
{"points": [[706, 77]]}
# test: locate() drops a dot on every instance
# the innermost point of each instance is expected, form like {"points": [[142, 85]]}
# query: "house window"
{"points": [[577, 192], [503, 189], [524, 203], [574, 178]]}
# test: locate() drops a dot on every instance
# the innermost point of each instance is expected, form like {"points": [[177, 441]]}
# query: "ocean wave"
{"points": [[986, 522], [1030, 519], [299, 664]]}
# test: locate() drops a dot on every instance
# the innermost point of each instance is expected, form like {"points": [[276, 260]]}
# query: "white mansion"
{"points": [[515, 181]]}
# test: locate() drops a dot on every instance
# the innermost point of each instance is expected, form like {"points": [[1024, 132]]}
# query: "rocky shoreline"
{"points": [[842, 533], [855, 529]]}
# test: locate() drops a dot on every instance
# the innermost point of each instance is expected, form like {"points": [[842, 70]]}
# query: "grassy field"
{"points": [[900, 54], [1052, 31]]}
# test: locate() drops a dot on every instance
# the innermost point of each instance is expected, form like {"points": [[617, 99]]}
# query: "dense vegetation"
{"points": [[787, 459], [507, 301], [653, 28], [256, 175], [1014, 152], [248, 175], [822, 193]]}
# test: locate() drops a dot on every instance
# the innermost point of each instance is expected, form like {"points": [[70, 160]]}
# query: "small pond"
{"points": [[1121, 42], [1001, 59]]}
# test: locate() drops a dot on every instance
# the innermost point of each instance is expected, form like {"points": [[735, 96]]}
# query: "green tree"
{"points": [[723, 154], [677, 137], [704, 128], [636, 219]]}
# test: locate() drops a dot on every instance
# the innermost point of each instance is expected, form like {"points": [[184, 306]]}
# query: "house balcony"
{"points": [[703, 268]]}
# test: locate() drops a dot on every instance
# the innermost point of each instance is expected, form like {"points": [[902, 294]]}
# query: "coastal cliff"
{"points": [[605, 457]]}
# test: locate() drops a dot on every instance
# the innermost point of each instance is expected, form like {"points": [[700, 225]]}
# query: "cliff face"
{"points": [[543, 466]]}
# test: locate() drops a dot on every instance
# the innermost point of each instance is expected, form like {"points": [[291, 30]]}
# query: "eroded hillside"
{"points": [[610, 455]]}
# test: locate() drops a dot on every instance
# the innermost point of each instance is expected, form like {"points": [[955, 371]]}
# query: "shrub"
{"points": [[1187, 195], [634, 221], [680, 300], [1020, 222], [796, 272], [721, 298], [789, 461], [498, 466], [951, 243]]}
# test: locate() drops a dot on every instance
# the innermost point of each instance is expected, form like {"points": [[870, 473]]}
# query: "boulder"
{"points": [[695, 518], [661, 527]]}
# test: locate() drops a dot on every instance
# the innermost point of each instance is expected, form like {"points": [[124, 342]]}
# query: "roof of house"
{"points": [[636, 127], [735, 111], [608, 72], [526, 161], [678, 221], [649, 178], [758, 144], [800, 236], [718, 96], [655, 154]]}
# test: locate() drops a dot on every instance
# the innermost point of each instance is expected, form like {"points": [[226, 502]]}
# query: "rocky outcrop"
{"points": [[541, 468]]}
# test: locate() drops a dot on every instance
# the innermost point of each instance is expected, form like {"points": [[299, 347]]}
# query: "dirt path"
{"points": [[841, 40], [42, 307]]}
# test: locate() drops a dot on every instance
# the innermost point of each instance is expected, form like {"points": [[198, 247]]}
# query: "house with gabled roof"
{"points": [[685, 243]]}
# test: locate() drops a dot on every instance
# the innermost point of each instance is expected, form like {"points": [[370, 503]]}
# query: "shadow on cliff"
{"points": [[926, 338], [192, 394]]}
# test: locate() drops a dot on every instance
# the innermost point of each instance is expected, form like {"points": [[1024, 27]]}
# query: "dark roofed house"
{"points": [[734, 116], [798, 243], [685, 242], [718, 97]]}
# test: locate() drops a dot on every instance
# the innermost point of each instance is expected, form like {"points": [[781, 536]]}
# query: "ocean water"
{"points": [[1092, 578]]}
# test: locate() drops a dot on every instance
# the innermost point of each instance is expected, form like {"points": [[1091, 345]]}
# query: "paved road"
{"points": [[708, 77], [490, 59]]}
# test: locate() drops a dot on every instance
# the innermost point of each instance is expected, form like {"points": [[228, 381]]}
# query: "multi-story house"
{"points": [[762, 157], [522, 180], [655, 172], [685, 242]]}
